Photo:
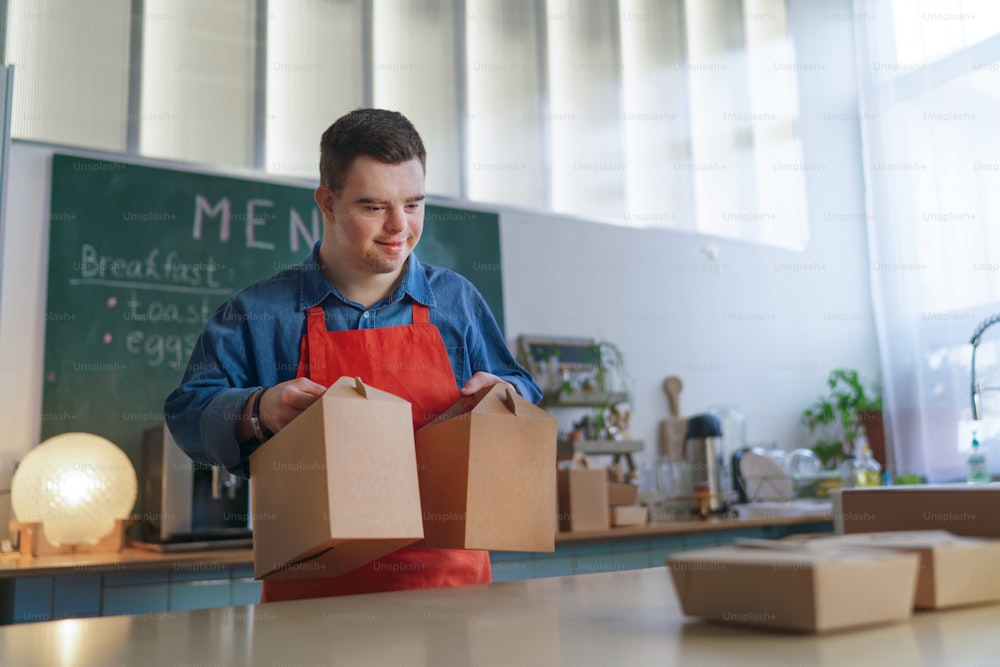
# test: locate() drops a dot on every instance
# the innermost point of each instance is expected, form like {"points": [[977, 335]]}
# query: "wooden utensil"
{"points": [[672, 386], [673, 428]]}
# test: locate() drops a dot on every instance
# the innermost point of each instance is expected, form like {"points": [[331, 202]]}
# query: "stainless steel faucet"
{"points": [[975, 388]]}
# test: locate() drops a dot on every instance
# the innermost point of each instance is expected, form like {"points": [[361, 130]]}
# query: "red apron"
{"points": [[411, 362]]}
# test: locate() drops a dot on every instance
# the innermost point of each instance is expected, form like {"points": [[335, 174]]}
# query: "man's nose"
{"points": [[396, 219]]}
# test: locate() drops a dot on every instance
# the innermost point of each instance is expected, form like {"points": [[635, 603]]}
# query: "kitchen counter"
{"points": [[130, 558], [620, 618], [13, 565], [144, 582]]}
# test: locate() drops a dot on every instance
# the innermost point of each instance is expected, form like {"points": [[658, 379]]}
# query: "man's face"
{"points": [[376, 221]]}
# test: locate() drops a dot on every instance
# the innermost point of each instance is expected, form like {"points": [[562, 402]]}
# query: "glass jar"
{"points": [[733, 423]]}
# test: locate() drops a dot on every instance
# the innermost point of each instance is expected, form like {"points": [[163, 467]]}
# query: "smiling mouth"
{"points": [[392, 245]]}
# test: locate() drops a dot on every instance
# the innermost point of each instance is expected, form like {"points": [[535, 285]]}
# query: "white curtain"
{"points": [[929, 80]]}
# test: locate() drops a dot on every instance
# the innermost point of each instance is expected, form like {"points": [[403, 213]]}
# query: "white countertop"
{"points": [[621, 618]]}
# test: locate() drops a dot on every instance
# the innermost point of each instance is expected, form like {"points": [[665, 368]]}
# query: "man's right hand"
{"points": [[284, 402], [279, 405]]}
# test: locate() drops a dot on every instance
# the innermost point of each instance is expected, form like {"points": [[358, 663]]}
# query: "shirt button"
{"points": [[366, 315]]}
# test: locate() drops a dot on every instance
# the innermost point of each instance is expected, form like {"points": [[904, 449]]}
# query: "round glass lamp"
{"points": [[76, 485]]}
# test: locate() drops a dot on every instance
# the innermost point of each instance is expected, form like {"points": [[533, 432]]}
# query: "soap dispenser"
{"points": [[977, 472], [867, 471]]}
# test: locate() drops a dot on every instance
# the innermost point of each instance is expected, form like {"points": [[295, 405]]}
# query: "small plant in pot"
{"points": [[838, 419]]}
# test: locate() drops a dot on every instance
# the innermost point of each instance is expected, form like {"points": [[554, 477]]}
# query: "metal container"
{"points": [[705, 464]]}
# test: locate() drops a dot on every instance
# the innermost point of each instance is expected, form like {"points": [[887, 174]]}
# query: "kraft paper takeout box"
{"points": [[789, 586], [961, 509], [629, 515], [337, 487], [583, 498], [485, 469], [622, 493], [954, 571]]}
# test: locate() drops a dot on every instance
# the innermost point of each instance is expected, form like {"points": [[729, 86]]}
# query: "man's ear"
{"points": [[324, 199]]}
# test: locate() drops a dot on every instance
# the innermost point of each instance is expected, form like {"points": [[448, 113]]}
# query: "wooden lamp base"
{"points": [[32, 541]]}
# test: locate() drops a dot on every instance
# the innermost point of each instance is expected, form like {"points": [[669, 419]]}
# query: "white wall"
{"points": [[22, 309], [761, 333]]}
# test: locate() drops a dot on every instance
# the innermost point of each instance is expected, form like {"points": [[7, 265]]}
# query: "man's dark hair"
{"points": [[384, 135]]}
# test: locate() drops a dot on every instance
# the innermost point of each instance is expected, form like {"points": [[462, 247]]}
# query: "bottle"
{"points": [[846, 468], [867, 471], [977, 473]]}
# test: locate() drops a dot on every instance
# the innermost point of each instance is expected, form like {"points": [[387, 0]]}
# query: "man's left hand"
{"points": [[481, 380]]}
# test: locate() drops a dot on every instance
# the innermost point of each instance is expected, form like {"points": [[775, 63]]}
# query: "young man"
{"points": [[360, 305]]}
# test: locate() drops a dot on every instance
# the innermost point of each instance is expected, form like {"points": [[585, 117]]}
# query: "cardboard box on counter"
{"points": [[337, 487], [954, 571], [583, 499], [622, 493], [629, 515], [792, 587], [961, 509], [485, 469]]}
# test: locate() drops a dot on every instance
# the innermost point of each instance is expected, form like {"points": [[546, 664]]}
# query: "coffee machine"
{"points": [[186, 505]]}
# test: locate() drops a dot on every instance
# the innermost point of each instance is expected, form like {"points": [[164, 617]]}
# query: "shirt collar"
{"points": [[315, 288]]}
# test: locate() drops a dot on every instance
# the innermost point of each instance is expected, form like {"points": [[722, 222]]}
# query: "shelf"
{"points": [[600, 446], [583, 399]]}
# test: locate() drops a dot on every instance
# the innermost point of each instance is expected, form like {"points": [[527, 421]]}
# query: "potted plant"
{"points": [[839, 418]]}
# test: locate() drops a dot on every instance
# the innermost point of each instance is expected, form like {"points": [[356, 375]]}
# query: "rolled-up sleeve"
{"points": [[489, 351], [203, 413]]}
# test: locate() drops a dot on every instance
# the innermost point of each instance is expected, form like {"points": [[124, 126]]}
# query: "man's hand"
{"points": [[284, 402], [279, 405], [481, 380]]}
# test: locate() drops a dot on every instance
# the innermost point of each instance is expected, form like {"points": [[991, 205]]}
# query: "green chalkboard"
{"points": [[140, 257]]}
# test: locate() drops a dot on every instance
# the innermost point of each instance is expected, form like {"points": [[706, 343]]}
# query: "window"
{"points": [[930, 104], [71, 71], [415, 69], [198, 81], [506, 156], [313, 51], [648, 113]]}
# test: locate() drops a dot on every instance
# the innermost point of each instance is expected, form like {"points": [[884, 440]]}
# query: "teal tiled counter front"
{"points": [[136, 582], [131, 582], [31, 598], [633, 549]]}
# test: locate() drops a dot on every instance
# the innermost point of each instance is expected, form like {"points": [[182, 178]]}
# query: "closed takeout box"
{"points": [[485, 469], [337, 487], [622, 493], [970, 510], [583, 499], [954, 570], [629, 515], [795, 588]]}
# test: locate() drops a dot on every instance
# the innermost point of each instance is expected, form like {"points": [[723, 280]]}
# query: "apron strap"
{"points": [[313, 354], [421, 313]]}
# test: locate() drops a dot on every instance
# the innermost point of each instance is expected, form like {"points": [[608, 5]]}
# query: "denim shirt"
{"points": [[253, 339]]}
